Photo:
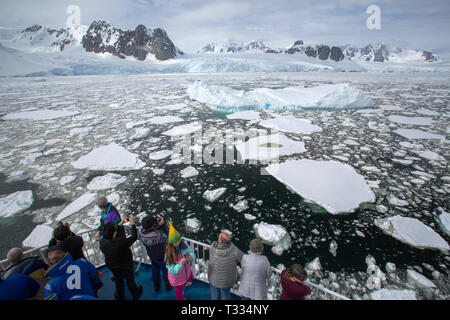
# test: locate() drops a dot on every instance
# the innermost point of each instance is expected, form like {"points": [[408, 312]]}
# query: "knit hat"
{"points": [[148, 222], [174, 235]]}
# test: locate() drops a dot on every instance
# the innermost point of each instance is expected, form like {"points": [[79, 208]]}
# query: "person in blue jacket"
{"points": [[68, 277], [18, 287]]}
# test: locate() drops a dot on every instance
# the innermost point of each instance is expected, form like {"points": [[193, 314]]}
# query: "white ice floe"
{"points": [[158, 172], [193, 225], [429, 155], [165, 119], [393, 294], [15, 203], [189, 172], [291, 124], [213, 195], [397, 202], [76, 205], [418, 121], [274, 235], [166, 187], [141, 133], [66, 179], [43, 114], [419, 280], [336, 96], [108, 181], [112, 157], [240, 206], [268, 147], [184, 129], [418, 134], [82, 132], [40, 236], [337, 187], [427, 112], [244, 115], [159, 155], [444, 222], [32, 143], [412, 232]]}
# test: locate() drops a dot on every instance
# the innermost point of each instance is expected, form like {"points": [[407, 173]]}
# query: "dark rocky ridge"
{"points": [[102, 37]]}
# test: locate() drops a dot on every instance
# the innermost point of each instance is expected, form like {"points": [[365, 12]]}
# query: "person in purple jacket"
{"points": [[292, 284], [109, 213]]}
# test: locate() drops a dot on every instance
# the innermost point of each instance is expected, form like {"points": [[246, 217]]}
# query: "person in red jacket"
{"points": [[292, 284]]}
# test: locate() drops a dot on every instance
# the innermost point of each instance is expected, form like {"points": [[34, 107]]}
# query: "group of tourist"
{"points": [[68, 275]]}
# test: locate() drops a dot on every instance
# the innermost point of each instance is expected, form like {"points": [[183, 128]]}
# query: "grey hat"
{"points": [[14, 255], [102, 202]]}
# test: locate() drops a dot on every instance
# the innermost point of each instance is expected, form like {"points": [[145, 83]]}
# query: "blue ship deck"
{"points": [[199, 290]]}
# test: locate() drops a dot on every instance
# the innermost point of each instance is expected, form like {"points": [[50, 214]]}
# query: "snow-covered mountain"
{"points": [[232, 47], [381, 52], [102, 37], [99, 37], [101, 48]]}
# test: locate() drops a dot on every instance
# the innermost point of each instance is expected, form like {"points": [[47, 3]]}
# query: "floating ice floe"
{"points": [[32, 143], [213, 195], [335, 186], [66, 179], [15, 203], [108, 181], [110, 158], [240, 206], [76, 205], [444, 222], [397, 202], [141, 133], [418, 121], [184, 129], [412, 232], [429, 155], [393, 294], [427, 112], [419, 280], [268, 147], [82, 132], [335, 96], [291, 124], [193, 225], [244, 115], [418, 134], [274, 235], [159, 155], [165, 119], [39, 237], [189, 172], [43, 114]]}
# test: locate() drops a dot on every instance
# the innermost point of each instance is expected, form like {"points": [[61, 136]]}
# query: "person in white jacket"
{"points": [[256, 270]]}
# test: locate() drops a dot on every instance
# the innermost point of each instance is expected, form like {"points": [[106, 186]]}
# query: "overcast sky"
{"points": [[420, 24]]}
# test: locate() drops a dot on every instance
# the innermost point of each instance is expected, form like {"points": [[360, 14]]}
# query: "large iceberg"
{"points": [[328, 96], [336, 187], [111, 158], [412, 232]]}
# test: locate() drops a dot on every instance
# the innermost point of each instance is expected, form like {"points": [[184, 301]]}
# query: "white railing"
{"points": [[93, 254]]}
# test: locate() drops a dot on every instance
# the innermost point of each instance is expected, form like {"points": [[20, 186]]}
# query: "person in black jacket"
{"points": [[64, 239], [153, 233], [119, 258]]}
